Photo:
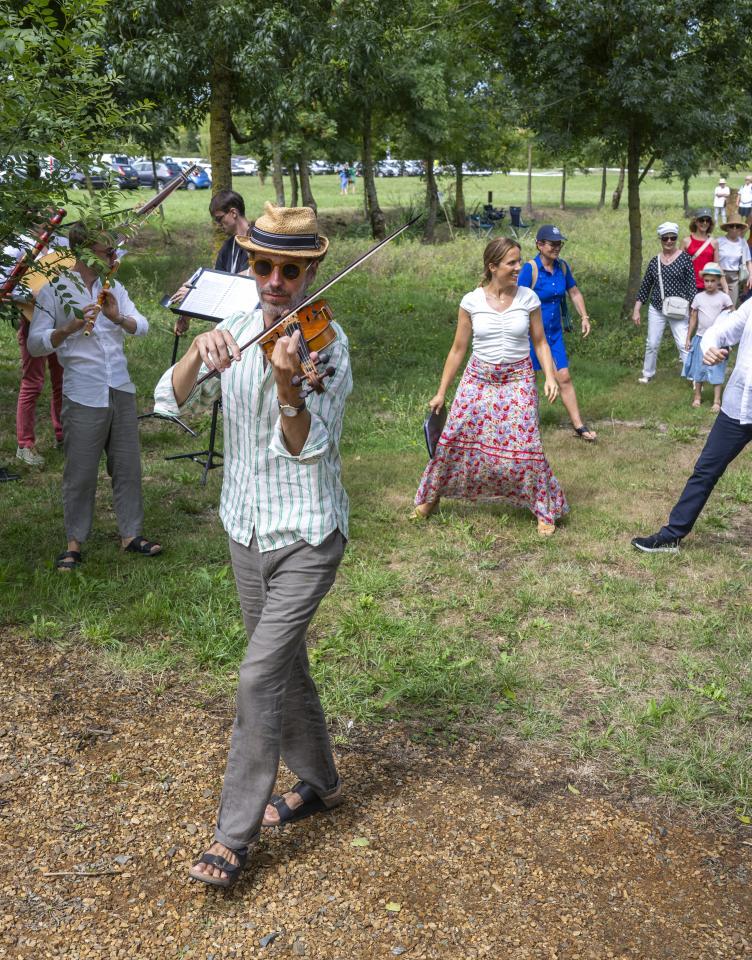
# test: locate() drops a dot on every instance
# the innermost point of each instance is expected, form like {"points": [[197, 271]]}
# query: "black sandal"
{"points": [[143, 546], [581, 431], [312, 803], [68, 560], [233, 870]]}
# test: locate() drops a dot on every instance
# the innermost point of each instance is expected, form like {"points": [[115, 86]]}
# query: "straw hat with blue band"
{"points": [[285, 231]]}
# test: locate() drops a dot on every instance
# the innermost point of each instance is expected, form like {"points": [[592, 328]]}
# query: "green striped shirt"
{"points": [[266, 489]]}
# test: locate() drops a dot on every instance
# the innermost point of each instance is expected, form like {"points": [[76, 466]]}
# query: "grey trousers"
{"points": [[278, 708], [87, 433]]}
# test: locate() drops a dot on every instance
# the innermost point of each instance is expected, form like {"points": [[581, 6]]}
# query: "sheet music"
{"points": [[218, 295]]}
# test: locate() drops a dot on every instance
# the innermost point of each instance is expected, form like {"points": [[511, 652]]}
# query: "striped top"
{"points": [[266, 489]]}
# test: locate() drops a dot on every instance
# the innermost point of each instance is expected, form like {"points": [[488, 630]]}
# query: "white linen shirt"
{"points": [[91, 365], [282, 497], [745, 195], [732, 254], [731, 328], [500, 336]]}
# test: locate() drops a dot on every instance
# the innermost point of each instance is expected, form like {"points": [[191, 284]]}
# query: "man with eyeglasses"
{"points": [[286, 514], [227, 210], [99, 398], [551, 278]]}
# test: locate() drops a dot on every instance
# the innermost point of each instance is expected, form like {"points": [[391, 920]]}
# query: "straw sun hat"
{"points": [[285, 231]]}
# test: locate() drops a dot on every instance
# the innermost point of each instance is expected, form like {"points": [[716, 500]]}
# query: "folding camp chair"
{"points": [[519, 229], [479, 226]]}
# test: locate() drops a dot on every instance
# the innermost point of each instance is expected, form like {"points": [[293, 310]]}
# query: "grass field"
{"points": [[629, 664]]}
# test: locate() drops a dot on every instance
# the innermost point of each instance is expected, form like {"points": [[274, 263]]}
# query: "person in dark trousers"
{"points": [[730, 434]]}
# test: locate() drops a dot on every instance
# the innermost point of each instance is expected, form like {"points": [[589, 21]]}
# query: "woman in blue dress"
{"points": [[551, 278]]}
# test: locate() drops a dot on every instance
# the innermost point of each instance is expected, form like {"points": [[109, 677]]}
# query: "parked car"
{"points": [[320, 167], [236, 167], [247, 167], [145, 173], [199, 181], [124, 176], [75, 179], [387, 168]]}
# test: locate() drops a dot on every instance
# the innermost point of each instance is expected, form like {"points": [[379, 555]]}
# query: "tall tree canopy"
{"points": [[643, 75]]}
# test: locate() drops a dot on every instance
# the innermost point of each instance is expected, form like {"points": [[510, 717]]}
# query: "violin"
{"points": [[314, 323]]}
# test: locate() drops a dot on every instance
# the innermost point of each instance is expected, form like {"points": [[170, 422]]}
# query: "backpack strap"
{"points": [[534, 268]]}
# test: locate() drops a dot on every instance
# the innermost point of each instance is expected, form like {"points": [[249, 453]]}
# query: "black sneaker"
{"points": [[656, 544]]}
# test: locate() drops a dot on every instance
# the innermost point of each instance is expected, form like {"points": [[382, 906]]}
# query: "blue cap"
{"points": [[549, 232]]}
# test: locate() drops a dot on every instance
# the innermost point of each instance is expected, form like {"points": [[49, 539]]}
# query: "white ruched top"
{"points": [[501, 337]]}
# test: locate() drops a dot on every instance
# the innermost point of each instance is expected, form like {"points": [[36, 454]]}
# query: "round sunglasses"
{"points": [[290, 269]]}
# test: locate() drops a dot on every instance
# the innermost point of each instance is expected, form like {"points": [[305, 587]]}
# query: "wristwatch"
{"points": [[288, 410]]}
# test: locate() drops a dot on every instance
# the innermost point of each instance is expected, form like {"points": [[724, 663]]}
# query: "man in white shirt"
{"points": [[730, 434], [99, 399], [744, 198], [285, 512], [720, 195]]}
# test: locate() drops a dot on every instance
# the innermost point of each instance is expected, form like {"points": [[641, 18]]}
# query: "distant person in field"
{"points": [[700, 245], [490, 448], [731, 432], [669, 274], [720, 195], [351, 174], [343, 180], [707, 306], [733, 253], [551, 279], [744, 199]]}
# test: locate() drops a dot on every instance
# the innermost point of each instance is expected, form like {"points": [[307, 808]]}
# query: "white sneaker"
{"points": [[644, 379], [30, 456]]}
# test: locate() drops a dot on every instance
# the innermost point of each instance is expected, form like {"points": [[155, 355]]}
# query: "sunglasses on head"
{"points": [[291, 269]]}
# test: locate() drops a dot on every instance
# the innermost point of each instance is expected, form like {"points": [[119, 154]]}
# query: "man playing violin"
{"points": [[99, 398], [286, 514]]}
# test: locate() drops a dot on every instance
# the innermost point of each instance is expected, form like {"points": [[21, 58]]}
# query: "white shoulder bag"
{"points": [[675, 308]]}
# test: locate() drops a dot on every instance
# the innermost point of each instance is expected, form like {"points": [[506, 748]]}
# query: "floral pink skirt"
{"points": [[490, 448]]}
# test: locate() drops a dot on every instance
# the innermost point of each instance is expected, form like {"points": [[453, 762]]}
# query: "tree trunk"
{"points": [[220, 118], [602, 201], [563, 199], [156, 182], [277, 179], [293, 185], [616, 195], [378, 220], [305, 183], [530, 177], [635, 220], [432, 202], [685, 195], [460, 220]]}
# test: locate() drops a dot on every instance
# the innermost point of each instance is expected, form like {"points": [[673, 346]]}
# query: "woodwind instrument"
{"points": [[143, 213], [28, 258]]}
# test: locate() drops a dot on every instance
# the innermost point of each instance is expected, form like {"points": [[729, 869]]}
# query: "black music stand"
{"points": [[206, 457]]}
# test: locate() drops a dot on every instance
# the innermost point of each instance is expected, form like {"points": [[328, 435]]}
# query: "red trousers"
{"points": [[32, 384]]}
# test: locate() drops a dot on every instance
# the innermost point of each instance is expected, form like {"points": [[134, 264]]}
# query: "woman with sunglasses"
{"points": [[701, 246], [676, 279], [734, 257], [490, 448]]}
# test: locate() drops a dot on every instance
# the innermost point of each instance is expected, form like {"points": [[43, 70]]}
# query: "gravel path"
{"points": [[435, 854]]}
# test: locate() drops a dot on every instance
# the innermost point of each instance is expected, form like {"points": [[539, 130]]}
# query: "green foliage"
{"points": [[57, 102]]}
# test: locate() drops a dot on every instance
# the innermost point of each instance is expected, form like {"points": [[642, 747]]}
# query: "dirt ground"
{"points": [[460, 853]]}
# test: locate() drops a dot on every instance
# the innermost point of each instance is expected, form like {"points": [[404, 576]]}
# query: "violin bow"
{"points": [[353, 265]]}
